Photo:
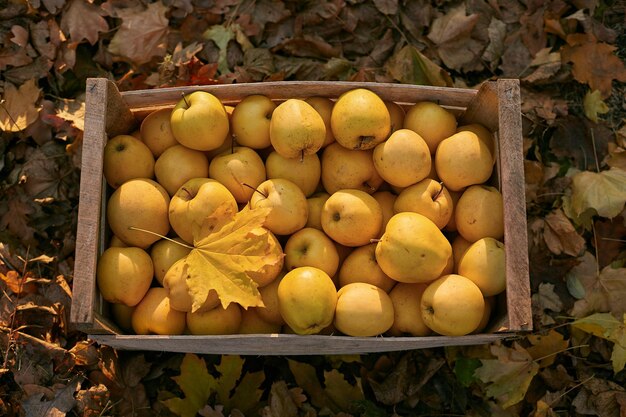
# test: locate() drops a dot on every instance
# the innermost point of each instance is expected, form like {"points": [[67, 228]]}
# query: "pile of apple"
{"points": [[382, 211]]}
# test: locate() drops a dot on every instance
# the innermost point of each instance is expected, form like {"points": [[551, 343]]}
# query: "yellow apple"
{"points": [[116, 242], [462, 160], [139, 203], [124, 158], [452, 305], [353, 169], [311, 247], [315, 204], [154, 315], [305, 172], [431, 121], [296, 129], [251, 121], [289, 209], [324, 106], [124, 275], [199, 121], [123, 316], [459, 246], [483, 134], [156, 131], [483, 263], [428, 198], [480, 213], [386, 199], [194, 202], [236, 167], [165, 253], [363, 310], [352, 217], [451, 225], [403, 159], [412, 249], [179, 164], [307, 299], [361, 266], [406, 299], [396, 114], [490, 305], [270, 313], [253, 323], [360, 120], [218, 320]]}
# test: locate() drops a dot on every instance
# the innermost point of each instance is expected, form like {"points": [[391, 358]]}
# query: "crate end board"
{"points": [[489, 105]]}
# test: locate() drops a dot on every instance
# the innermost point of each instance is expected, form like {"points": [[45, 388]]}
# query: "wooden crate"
{"points": [[108, 113]]}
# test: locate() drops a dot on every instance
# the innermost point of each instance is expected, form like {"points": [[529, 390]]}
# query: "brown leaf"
{"points": [[560, 235], [280, 402], [83, 20], [546, 347], [410, 66], [610, 235], [18, 108], [581, 140], [387, 6], [595, 63], [546, 299], [16, 221], [143, 34], [20, 36], [93, 401], [62, 403], [453, 25]]}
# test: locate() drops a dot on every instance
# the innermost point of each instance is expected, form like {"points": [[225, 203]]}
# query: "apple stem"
{"points": [[254, 189], [369, 186], [438, 192], [375, 240], [159, 235], [302, 155], [185, 99], [187, 191]]}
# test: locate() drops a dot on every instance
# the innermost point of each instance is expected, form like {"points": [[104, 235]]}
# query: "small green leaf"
{"points": [[464, 370]]}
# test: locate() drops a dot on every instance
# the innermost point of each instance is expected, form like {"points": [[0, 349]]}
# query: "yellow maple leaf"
{"points": [[222, 259], [605, 192], [594, 105], [606, 326]]}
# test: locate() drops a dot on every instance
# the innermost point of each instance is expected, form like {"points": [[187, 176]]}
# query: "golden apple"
{"points": [[194, 202], [483, 263], [431, 121], [396, 114], [352, 217], [403, 159], [270, 313], [361, 266], [175, 283], [251, 121], [412, 249], [116, 242], [199, 121], [386, 199], [360, 120], [406, 299], [311, 247], [289, 209], [304, 172], [179, 164], [139, 203], [165, 253], [124, 275], [452, 305], [462, 160], [307, 299], [324, 106], [123, 316], [156, 131], [315, 204], [480, 213], [428, 198], [253, 323], [296, 129], [483, 134], [124, 158], [237, 167], [218, 320], [363, 310], [154, 315], [459, 246], [349, 169]]}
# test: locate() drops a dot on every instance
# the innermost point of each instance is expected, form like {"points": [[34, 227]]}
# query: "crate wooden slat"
{"points": [[496, 105]]}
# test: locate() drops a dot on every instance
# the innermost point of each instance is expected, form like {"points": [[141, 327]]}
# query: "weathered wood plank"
{"points": [[483, 108], [287, 344], [232, 93], [512, 187]]}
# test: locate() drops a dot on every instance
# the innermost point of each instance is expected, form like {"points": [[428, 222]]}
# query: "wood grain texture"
{"points": [[483, 108], [232, 93], [512, 187], [287, 344], [89, 206]]}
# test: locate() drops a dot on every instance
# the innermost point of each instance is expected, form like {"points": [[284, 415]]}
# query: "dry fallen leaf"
{"points": [[595, 63], [83, 20], [606, 326], [221, 260], [410, 66], [560, 235], [593, 105], [604, 192], [18, 108], [546, 347], [143, 34]]}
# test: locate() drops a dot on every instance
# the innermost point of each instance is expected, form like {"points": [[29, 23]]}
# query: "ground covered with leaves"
{"points": [[569, 57]]}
